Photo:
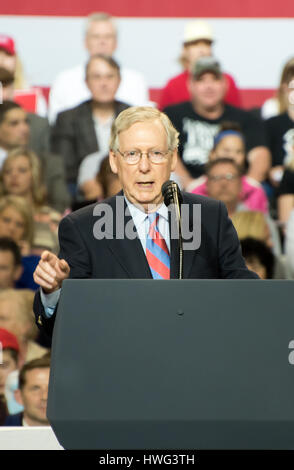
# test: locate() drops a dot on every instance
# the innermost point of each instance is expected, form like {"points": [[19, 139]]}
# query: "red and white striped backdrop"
{"points": [[253, 38]]}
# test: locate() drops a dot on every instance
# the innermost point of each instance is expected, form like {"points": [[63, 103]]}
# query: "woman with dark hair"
{"points": [[258, 257]]}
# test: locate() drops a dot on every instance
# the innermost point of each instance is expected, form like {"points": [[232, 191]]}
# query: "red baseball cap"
{"points": [[8, 340], [7, 44]]}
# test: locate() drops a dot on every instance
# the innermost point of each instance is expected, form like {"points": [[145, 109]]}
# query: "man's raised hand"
{"points": [[51, 272]]}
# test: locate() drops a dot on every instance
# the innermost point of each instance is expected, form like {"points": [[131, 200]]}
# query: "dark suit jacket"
{"points": [[52, 164], [55, 181], [219, 254], [39, 133], [73, 136], [14, 420]]}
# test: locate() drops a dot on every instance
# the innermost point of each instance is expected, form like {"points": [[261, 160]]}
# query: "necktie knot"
{"points": [[153, 216]]}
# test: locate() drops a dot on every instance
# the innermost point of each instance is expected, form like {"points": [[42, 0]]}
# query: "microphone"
{"points": [[173, 196], [171, 193]]}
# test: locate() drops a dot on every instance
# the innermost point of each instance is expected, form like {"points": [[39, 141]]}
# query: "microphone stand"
{"points": [[178, 216]]}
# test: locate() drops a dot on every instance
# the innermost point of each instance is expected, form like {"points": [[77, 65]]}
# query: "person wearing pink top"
{"points": [[252, 195], [229, 143]]}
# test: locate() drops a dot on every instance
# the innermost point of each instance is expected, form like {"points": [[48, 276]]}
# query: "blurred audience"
{"points": [[258, 257], [16, 222], [15, 132], [32, 394], [197, 42], [44, 239], [254, 224], [10, 60], [230, 143], [10, 356], [285, 191], [3, 410], [103, 184], [108, 180], [70, 89], [260, 227], [39, 126], [9, 363], [224, 183], [289, 242], [16, 316], [10, 263], [85, 129], [280, 129], [279, 103], [21, 175], [199, 120]]}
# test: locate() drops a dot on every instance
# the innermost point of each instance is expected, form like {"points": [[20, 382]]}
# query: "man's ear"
{"points": [[17, 396], [174, 160], [113, 162]]}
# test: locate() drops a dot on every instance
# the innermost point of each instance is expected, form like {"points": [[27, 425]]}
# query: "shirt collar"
{"points": [[139, 216]]}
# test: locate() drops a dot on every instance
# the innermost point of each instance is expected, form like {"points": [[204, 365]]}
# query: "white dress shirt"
{"points": [[90, 165]]}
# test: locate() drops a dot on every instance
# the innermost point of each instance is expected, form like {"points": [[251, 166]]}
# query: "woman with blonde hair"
{"points": [[21, 175], [255, 224], [251, 224], [16, 221]]}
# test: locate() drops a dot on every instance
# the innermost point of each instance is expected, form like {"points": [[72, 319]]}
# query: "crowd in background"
{"points": [[50, 166]]}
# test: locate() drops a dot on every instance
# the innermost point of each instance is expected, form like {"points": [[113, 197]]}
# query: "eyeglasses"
{"points": [[227, 177], [132, 157]]}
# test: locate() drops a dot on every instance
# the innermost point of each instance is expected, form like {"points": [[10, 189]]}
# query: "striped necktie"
{"points": [[157, 253]]}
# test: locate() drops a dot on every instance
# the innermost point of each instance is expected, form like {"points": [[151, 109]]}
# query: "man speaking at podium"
{"points": [[143, 152]]}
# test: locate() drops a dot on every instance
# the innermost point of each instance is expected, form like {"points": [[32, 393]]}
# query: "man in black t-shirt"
{"points": [[198, 121]]}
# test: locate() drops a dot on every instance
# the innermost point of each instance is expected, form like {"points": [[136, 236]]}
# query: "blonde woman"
{"points": [[16, 221], [21, 175], [255, 224]]}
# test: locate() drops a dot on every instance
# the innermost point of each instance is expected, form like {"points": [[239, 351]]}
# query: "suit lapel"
{"points": [[87, 129], [188, 255], [129, 252], [174, 252]]}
